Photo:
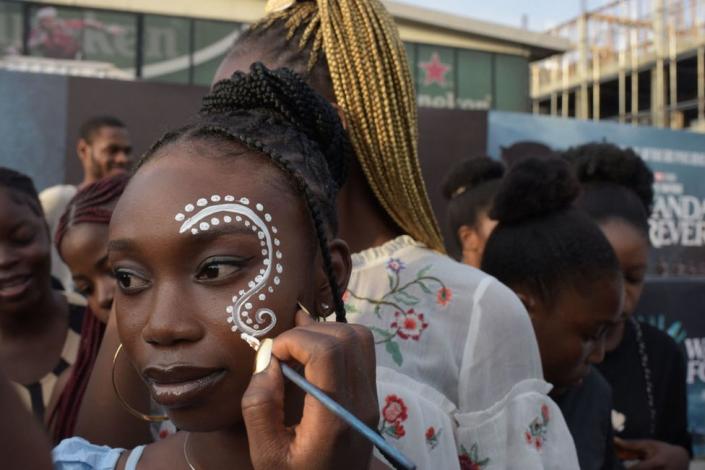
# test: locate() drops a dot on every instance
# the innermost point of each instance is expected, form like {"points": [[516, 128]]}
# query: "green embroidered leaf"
{"points": [[405, 298], [473, 453], [482, 463], [384, 333], [424, 271], [424, 288], [351, 308], [395, 352], [391, 281]]}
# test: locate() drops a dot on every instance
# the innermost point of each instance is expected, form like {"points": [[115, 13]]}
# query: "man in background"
{"points": [[104, 150]]}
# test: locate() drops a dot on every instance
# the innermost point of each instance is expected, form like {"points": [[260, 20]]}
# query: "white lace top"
{"points": [[459, 378]]}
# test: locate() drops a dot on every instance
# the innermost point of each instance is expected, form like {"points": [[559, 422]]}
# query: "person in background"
{"points": [[470, 188], [525, 149], [81, 240], [643, 364], [104, 149], [563, 269], [40, 330]]}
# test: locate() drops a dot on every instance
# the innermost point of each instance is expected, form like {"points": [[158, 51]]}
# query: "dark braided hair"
{"points": [[92, 204], [470, 188], [23, 186], [276, 114], [542, 243], [616, 183]]}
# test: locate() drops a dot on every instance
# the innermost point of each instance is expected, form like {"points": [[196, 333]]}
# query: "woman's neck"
{"points": [[363, 222], [218, 450], [36, 320]]}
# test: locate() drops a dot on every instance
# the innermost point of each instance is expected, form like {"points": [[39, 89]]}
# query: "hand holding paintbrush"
{"points": [[333, 354]]}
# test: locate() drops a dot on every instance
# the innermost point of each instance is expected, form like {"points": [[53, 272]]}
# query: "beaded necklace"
{"points": [[641, 345]]}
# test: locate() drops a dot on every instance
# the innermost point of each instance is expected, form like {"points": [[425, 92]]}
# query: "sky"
{"points": [[542, 14]]}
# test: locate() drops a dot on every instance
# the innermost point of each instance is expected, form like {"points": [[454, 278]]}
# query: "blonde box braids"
{"points": [[372, 85]]}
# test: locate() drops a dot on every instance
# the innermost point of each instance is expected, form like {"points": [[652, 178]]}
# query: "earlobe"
{"points": [[528, 301], [341, 263], [81, 149], [469, 239], [341, 115]]}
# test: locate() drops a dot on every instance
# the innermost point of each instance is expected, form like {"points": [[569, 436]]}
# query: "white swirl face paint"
{"points": [[208, 213]]}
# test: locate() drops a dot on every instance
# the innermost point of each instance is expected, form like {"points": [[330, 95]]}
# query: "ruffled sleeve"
{"points": [[79, 454], [524, 429]]}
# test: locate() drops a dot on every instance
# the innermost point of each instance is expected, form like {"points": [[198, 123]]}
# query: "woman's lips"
{"points": [[180, 386], [15, 286]]}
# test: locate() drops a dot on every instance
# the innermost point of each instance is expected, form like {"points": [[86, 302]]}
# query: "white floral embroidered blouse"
{"points": [[459, 375]]}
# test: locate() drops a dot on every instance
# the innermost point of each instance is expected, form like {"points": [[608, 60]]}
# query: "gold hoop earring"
{"points": [[301, 306], [123, 402]]}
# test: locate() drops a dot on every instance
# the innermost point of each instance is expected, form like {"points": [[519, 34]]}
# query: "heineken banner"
{"points": [[677, 225], [677, 306]]}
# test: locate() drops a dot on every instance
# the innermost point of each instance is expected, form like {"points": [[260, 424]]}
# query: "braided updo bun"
{"points": [[276, 114], [541, 242], [616, 183], [534, 188], [283, 94]]}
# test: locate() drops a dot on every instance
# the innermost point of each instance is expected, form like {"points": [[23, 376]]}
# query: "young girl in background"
{"points": [[562, 268], [643, 364]]}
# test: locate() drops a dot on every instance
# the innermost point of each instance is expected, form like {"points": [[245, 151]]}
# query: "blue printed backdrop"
{"points": [[674, 297]]}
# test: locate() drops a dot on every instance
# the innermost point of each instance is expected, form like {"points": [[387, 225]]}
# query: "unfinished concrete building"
{"points": [[631, 61]]}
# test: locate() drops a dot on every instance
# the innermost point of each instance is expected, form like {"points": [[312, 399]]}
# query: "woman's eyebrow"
{"points": [[120, 245]]}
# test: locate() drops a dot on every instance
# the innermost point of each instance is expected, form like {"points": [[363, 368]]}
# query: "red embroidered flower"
{"points": [[430, 433], [466, 463], [527, 436], [444, 296], [538, 443], [409, 325], [399, 430], [394, 410], [545, 413]]}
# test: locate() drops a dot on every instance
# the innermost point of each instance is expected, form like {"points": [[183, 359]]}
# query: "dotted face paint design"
{"points": [[208, 214]]}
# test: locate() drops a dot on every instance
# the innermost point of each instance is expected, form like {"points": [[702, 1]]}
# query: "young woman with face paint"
{"points": [[40, 327], [470, 188], [561, 266], [227, 228], [643, 365]]}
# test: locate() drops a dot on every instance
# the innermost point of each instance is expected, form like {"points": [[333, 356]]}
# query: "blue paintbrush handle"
{"points": [[396, 458]]}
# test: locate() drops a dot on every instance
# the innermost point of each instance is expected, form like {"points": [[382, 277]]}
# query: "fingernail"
{"points": [[264, 355]]}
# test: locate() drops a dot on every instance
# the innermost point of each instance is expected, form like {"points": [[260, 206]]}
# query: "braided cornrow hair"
{"points": [[276, 114], [354, 47], [92, 204]]}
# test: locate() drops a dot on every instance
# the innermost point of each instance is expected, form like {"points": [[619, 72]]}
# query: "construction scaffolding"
{"points": [[632, 61]]}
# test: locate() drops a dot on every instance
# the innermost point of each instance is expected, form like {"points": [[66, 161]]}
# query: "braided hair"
{"points": [[616, 183], [276, 114], [542, 243], [92, 204], [23, 186], [351, 52]]}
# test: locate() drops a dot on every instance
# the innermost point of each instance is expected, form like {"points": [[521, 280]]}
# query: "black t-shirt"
{"points": [[624, 371], [587, 410]]}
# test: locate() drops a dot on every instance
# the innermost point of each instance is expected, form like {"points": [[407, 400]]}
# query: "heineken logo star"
{"points": [[435, 71]]}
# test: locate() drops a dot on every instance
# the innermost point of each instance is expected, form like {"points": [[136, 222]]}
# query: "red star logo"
{"points": [[435, 71]]}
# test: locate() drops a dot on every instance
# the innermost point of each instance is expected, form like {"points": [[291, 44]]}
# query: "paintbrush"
{"points": [[393, 456]]}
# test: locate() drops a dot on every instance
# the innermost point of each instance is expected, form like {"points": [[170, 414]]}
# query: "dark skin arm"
{"points": [[116, 427], [24, 444]]}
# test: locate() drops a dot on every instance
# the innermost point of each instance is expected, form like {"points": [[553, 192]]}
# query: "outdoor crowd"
{"points": [[293, 208]]}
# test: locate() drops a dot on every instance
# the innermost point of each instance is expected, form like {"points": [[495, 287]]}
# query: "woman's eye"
{"points": [[130, 282], [219, 269], [24, 238]]}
